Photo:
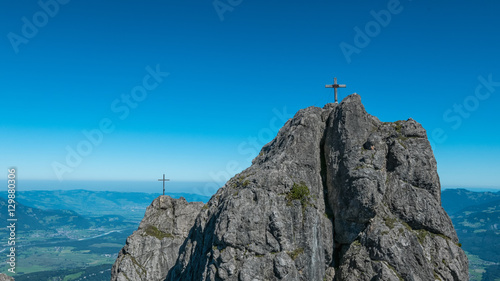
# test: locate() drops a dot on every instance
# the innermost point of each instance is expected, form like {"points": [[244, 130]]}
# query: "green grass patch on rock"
{"points": [[390, 222], [421, 234], [299, 192], [155, 232], [295, 253]]}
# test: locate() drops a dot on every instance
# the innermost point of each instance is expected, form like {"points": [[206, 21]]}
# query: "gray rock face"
{"points": [[4, 277], [153, 249], [385, 192], [256, 228], [337, 195]]}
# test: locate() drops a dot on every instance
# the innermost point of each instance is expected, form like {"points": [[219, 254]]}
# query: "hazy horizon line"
{"points": [[152, 186]]}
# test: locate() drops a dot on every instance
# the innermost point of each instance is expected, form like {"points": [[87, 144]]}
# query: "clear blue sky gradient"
{"points": [[234, 78]]}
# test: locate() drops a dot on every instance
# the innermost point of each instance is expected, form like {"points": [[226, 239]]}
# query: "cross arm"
{"points": [[335, 86]]}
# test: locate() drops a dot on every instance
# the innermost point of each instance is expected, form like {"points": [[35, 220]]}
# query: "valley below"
{"points": [[72, 235], [61, 238]]}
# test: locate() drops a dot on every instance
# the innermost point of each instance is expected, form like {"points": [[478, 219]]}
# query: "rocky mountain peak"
{"points": [[337, 195], [153, 248]]}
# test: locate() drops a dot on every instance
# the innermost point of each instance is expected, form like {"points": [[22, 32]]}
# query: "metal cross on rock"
{"points": [[335, 86], [163, 180]]}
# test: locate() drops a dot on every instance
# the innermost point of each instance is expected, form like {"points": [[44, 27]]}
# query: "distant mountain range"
{"points": [[73, 234], [454, 200], [476, 218], [130, 205], [31, 219]]}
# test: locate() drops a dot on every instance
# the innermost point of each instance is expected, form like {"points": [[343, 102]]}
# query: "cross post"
{"points": [[163, 180], [335, 86]]}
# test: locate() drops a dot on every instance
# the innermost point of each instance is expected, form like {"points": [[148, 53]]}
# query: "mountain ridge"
{"points": [[96, 203], [31, 218], [460, 198]]}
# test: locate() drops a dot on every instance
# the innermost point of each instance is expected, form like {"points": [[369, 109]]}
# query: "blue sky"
{"points": [[223, 76]]}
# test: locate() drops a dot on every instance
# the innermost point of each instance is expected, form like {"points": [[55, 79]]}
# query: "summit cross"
{"points": [[163, 180], [335, 86]]}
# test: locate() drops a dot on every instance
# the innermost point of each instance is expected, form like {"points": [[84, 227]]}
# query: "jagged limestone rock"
{"points": [[153, 248], [336, 195], [385, 192]]}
